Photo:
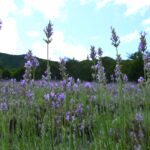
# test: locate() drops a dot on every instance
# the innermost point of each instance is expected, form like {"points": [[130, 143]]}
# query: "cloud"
{"points": [[59, 48], [102, 3], [84, 2], [132, 6], [26, 11], [130, 37], [146, 22], [7, 7], [49, 8], [9, 37], [33, 34], [10, 41]]}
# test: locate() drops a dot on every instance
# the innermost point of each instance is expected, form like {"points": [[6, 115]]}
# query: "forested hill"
{"points": [[12, 66], [11, 61]]}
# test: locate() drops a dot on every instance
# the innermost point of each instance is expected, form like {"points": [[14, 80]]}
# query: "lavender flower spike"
{"points": [[48, 32], [93, 53], [115, 38], [143, 44]]}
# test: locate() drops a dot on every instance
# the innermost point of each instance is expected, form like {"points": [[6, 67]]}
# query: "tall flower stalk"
{"points": [[115, 42], [93, 57], [62, 68], [142, 48], [101, 76], [48, 32]]}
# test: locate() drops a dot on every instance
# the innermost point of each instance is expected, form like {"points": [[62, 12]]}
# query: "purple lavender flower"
{"points": [[79, 108], [138, 117], [62, 68], [140, 80], [87, 85], [23, 83], [34, 62], [47, 97], [147, 66], [75, 86], [57, 104], [69, 85], [100, 52], [114, 38], [3, 106], [146, 58], [53, 104], [28, 56], [48, 32], [61, 97], [118, 72], [143, 44], [28, 65], [0, 24], [30, 94], [52, 95], [93, 53], [92, 98], [68, 116]]}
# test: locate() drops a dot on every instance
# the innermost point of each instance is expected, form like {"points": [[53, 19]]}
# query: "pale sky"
{"points": [[78, 24]]}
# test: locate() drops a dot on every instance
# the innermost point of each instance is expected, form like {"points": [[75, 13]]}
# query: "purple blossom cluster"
{"points": [[98, 68], [30, 66], [3, 106], [143, 44], [138, 117], [31, 60], [93, 53], [114, 38], [71, 109], [62, 68], [69, 116], [146, 59], [48, 32], [56, 99], [101, 76]]}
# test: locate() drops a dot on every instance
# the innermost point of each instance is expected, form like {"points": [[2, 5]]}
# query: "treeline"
{"points": [[132, 67]]}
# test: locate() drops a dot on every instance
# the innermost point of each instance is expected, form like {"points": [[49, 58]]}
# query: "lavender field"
{"points": [[76, 115]]}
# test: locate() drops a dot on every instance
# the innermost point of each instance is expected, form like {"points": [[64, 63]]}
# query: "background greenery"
{"points": [[12, 66]]}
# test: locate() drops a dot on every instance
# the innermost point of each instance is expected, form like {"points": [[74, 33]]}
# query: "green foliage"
{"points": [[109, 65], [6, 74], [132, 67]]}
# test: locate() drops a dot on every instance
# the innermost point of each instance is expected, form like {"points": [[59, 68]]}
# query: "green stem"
{"points": [[48, 66]]}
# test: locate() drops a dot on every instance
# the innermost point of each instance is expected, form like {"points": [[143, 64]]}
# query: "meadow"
{"points": [[76, 115]]}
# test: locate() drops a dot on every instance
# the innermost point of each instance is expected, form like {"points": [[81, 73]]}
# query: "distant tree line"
{"points": [[132, 67]]}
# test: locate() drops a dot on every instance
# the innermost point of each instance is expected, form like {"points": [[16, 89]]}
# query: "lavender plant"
{"points": [[62, 68], [93, 57], [142, 48], [115, 42], [73, 115], [30, 66], [101, 77], [48, 32]]}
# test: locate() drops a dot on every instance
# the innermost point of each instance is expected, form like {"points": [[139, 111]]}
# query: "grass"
{"points": [[97, 118]]}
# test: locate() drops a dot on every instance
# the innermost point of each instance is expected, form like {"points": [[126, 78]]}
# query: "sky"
{"points": [[77, 24]]}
